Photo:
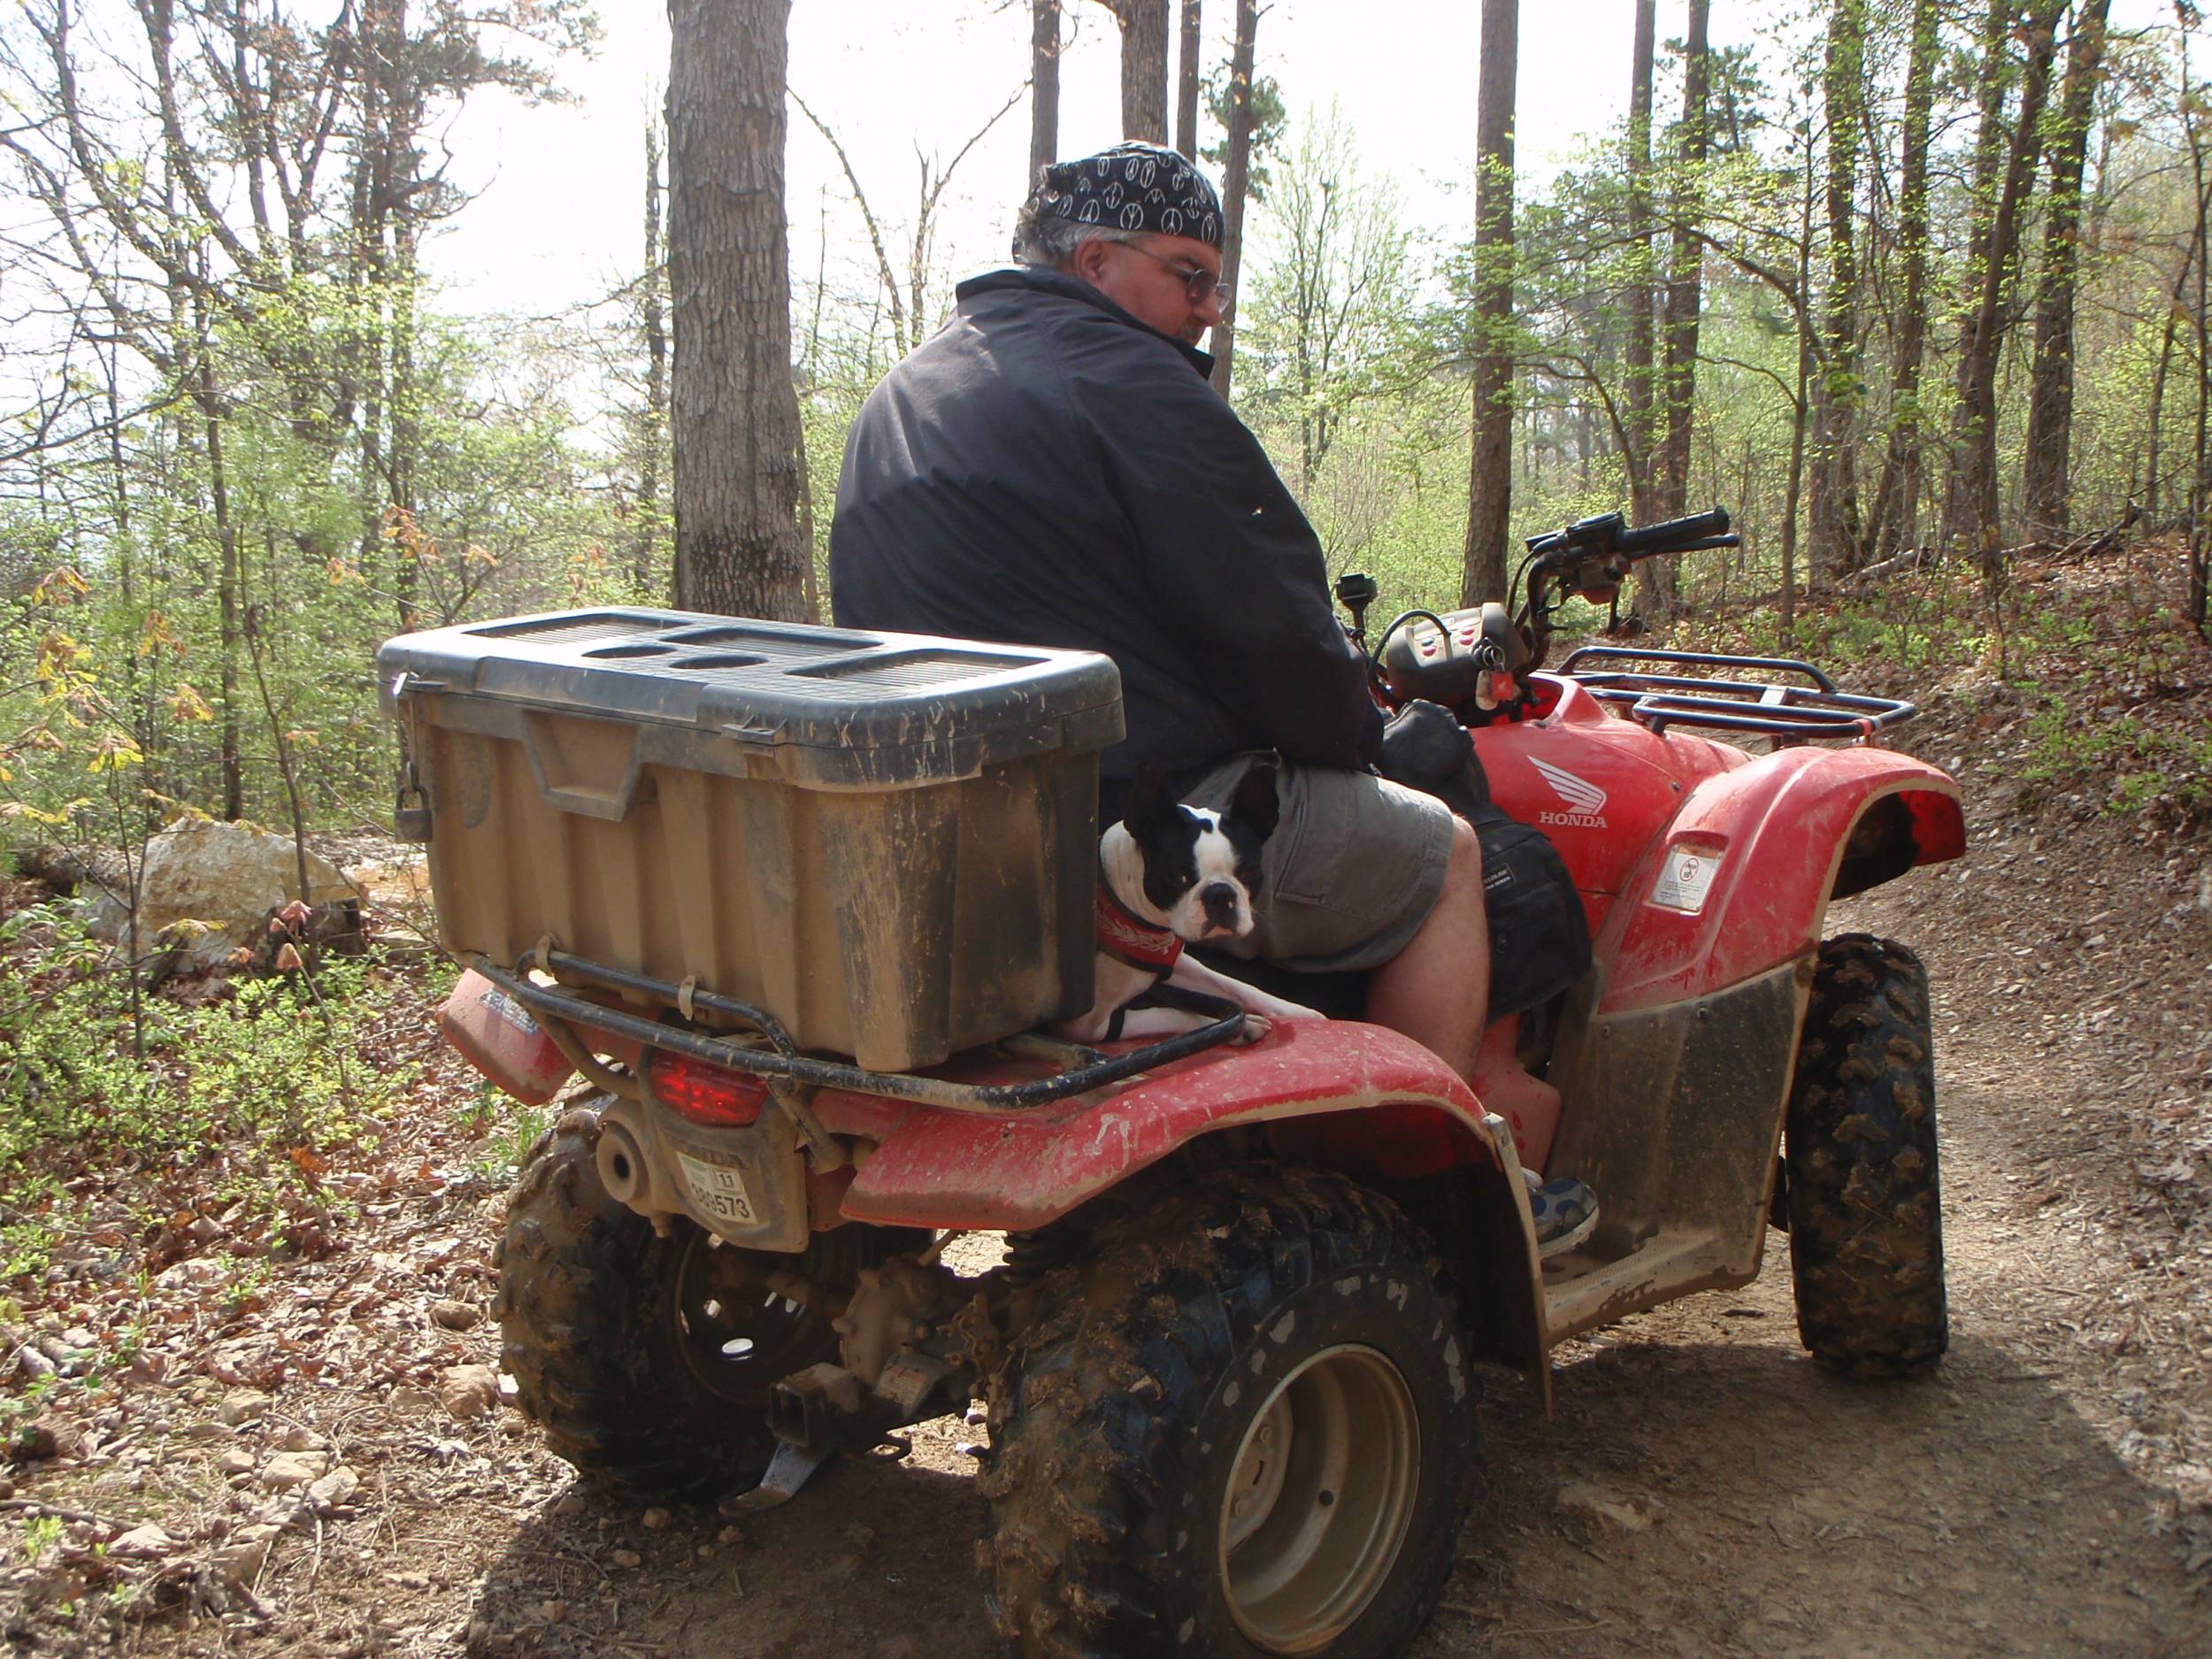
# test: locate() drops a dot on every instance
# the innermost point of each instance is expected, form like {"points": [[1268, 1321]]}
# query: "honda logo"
{"points": [[1584, 800]]}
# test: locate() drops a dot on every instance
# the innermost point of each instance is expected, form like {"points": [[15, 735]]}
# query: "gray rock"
{"points": [[286, 1469], [243, 1407], [468, 1391], [222, 880], [239, 1561], [334, 1491], [143, 1543], [457, 1316], [1623, 1512]]}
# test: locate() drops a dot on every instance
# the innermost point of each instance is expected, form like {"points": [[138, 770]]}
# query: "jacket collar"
{"points": [[1044, 279]]}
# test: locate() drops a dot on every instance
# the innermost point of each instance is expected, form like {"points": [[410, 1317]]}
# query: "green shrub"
{"points": [[267, 1075]]}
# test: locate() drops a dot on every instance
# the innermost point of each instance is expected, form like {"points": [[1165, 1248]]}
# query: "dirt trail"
{"points": [[1982, 1510]]}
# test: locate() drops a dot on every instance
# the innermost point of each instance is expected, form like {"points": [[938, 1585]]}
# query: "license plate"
{"points": [[717, 1190]]}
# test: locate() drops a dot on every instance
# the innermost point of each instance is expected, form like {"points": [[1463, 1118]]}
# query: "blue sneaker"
{"points": [[1566, 1212]]}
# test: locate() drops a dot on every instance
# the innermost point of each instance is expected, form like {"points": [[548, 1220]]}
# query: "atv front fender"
{"points": [[1740, 881], [1355, 1097]]}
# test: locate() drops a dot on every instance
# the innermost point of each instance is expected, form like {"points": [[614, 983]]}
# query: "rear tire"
{"points": [[1865, 1212], [649, 1360], [1248, 1429]]}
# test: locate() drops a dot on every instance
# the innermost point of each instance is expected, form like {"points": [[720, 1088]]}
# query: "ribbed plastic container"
{"points": [[889, 841]]}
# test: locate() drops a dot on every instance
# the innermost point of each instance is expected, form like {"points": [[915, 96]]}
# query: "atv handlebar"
{"points": [[1591, 558], [1609, 534], [1473, 661], [1672, 535], [1476, 657]]}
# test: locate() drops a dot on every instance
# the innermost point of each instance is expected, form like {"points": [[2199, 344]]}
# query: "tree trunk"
{"points": [[2174, 311], [2045, 484], [2199, 599], [1233, 191], [735, 414], [1835, 496], [228, 750], [404, 397], [1186, 86], [1490, 471], [646, 547], [1143, 68], [1897, 501], [1638, 391], [1795, 488], [1972, 512], [1044, 88], [1678, 377]]}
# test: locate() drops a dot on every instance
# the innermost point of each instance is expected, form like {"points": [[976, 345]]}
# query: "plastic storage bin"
{"points": [[889, 841]]}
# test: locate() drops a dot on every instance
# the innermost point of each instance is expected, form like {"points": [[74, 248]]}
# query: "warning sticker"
{"points": [[513, 1012], [1685, 877], [717, 1189]]}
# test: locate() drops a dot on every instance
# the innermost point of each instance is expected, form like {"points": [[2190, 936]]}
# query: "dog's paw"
{"points": [[1257, 1028]]}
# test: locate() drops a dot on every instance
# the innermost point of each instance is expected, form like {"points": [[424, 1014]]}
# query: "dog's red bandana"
{"points": [[1127, 937]]}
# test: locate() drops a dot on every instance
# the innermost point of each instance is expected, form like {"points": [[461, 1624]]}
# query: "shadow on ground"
{"points": [[1790, 1515], [873, 1560]]}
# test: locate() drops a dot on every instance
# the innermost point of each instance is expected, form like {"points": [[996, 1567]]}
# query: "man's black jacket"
{"points": [[1049, 471]]}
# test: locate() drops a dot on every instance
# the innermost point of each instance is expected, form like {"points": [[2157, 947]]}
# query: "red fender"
{"points": [[1358, 1097], [1740, 880]]}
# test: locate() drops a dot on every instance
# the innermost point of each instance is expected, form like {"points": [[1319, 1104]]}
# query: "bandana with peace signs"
{"points": [[1135, 186]]}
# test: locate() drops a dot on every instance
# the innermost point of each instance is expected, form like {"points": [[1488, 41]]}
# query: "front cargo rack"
{"points": [[781, 1062], [1785, 711]]}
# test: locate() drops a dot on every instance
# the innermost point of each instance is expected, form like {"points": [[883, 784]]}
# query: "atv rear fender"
{"points": [[1355, 1097], [1739, 882]]}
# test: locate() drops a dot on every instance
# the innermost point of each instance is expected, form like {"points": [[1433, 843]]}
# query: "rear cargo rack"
{"points": [[782, 1062], [1785, 713]]}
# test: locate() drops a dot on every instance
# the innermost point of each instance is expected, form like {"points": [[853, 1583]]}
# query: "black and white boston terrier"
{"points": [[1170, 875]]}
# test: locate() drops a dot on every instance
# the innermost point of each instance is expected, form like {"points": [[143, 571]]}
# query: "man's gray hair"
{"points": [[1042, 237]]}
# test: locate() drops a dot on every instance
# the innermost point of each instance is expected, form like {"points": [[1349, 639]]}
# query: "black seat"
{"points": [[1338, 996]]}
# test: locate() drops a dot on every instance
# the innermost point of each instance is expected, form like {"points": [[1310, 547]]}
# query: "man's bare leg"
{"points": [[1436, 990]]}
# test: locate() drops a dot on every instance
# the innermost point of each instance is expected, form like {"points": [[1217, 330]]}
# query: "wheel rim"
{"points": [[1320, 1496], [740, 1336]]}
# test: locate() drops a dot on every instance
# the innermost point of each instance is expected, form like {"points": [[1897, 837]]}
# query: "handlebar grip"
{"points": [[1657, 538]]}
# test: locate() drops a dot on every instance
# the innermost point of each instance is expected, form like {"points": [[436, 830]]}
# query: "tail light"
{"points": [[704, 1093]]}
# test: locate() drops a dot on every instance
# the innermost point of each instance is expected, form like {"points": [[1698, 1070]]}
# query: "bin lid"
{"points": [[836, 706]]}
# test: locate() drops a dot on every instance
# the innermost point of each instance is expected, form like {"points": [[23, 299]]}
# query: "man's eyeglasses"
{"points": [[1199, 284]]}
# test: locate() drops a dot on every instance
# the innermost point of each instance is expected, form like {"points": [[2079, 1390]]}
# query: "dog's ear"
{"points": [[1150, 805], [1254, 804]]}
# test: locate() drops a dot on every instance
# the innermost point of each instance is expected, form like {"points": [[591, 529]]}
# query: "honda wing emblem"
{"points": [[1584, 799]]}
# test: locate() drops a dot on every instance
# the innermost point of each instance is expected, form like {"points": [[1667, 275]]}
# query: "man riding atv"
{"points": [[1055, 468]]}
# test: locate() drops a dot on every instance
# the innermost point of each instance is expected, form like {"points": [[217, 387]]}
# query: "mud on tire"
{"points": [[1866, 1224], [1265, 1315], [649, 1360]]}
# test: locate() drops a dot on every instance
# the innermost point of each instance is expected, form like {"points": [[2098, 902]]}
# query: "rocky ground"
{"points": [[311, 1455]]}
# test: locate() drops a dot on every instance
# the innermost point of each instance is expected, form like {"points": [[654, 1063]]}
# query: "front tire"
{"points": [[649, 1359], [1247, 1429], [1866, 1211]]}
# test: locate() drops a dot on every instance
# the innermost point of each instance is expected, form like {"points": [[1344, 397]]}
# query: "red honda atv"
{"points": [[1229, 1356]]}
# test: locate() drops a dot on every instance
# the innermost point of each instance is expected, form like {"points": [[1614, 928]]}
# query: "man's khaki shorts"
{"points": [[1352, 871]]}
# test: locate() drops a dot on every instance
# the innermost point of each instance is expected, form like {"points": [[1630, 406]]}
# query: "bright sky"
{"points": [[559, 216], [558, 220]]}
